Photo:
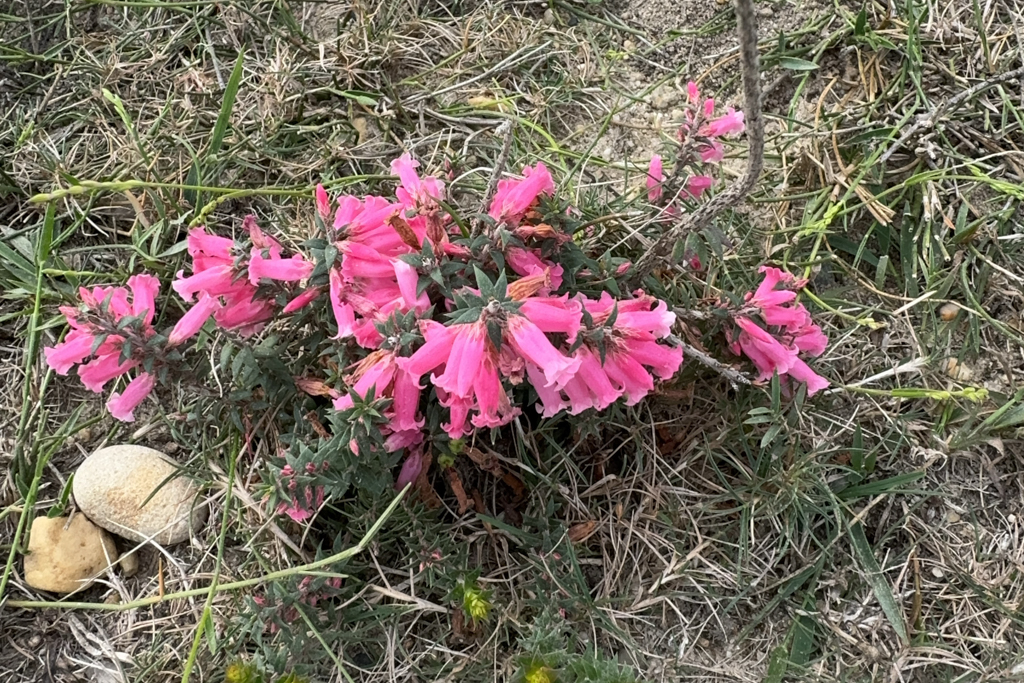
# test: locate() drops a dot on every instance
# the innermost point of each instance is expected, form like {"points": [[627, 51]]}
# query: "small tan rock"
{"points": [[63, 560], [958, 370], [948, 311], [129, 564], [131, 491]]}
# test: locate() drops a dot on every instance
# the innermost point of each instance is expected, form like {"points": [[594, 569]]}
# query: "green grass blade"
{"points": [[865, 555], [45, 236], [224, 118], [220, 129], [777, 665]]}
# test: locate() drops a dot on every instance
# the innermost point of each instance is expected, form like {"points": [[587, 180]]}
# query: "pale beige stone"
{"points": [[112, 487], [63, 560], [129, 564]]}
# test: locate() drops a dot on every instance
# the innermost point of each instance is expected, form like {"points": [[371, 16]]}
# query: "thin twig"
{"points": [[747, 29], [928, 120], [505, 129], [734, 376]]}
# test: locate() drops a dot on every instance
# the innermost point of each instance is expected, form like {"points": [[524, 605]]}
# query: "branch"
{"points": [[505, 129], [734, 376], [747, 29], [928, 120]]}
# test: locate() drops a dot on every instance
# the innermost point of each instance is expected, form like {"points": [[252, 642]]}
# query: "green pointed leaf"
{"points": [[796, 64], [865, 556]]}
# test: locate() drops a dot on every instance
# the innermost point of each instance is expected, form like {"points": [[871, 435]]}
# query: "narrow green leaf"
{"points": [[46, 236], [777, 665], [65, 495], [861, 25], [803, 634], [865, 555], [1011, 414], [224, 118], [198, 175], [210, 632], [797, 64], [880, 271], [894, 484]]}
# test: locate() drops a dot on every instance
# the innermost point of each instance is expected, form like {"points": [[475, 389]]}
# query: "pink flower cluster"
{"points": [[306, 595], [467, 370], [312, 496], [787, 332], [100, 332], [699, 136], [435, 320], [226, 280], [95, 334]]}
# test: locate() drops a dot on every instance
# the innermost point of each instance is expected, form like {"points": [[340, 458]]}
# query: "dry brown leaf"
{"points": [[485, 461], [404, 230], [422, 488], [582, 531], [455, 481], [312, 386]]}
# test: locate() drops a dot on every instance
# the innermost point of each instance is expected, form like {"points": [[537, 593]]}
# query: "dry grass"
{"points": [[720, 549]]}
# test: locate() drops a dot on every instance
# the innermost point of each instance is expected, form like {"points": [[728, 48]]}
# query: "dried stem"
{"points": [[505, 129], [747, 29], [928, 120]]}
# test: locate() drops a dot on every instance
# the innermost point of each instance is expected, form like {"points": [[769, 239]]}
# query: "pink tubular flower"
{"points": [[698, 185], [629, 348], [75, 348], [557, 315], [589, 388], [470, 382], [526, 262], [375, 371], [464, 361], [122, 406], [626, 373], [414, 192], [530, 343], [768, 353], [790, 331], [283, 269], [215, 274], [370, 282], [515, 196], [193, 320], [655, 178], [702, 131], [105, 366], [411, 469], [144, 290], [202, 244], [98, 338], [381, 371], [730, 124]]}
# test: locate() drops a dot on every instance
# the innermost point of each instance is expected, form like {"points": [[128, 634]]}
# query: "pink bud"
{"points": [[323, 203], [301, 300], [655, 177]]}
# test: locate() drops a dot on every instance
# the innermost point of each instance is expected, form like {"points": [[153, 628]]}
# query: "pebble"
{"points": [[113, 483], [958, 370], [948, 312], [64, 560], [664, 97], [129, 564]]}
